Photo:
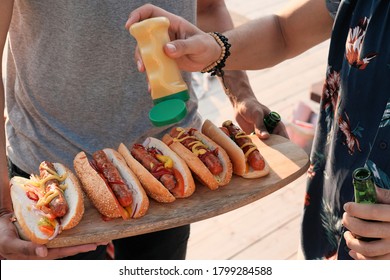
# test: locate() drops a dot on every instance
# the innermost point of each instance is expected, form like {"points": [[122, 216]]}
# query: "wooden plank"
{"points": [[287, 163]]}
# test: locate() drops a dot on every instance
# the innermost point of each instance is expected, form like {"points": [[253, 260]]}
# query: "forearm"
{"points": [[213, 16], [5, 199], [263, 33], [6, 7], [236, 83], [269, 40]]}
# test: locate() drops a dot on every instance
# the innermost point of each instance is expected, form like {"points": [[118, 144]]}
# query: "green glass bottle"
{"points": [[364, 188], [271, 121]]}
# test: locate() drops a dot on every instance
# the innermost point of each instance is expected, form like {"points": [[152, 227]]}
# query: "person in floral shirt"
{"points": [[354, 120]]}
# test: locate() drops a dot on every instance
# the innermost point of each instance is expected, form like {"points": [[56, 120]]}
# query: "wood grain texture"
{"points": [[287, 162]]}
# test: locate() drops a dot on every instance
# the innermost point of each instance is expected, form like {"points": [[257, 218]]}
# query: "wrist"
{"points": [[216, 68], [237, 86]]}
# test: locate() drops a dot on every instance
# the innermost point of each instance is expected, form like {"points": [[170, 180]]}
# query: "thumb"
{"points": [[194, 53], [262, 132], [179, 48], [171, 50], [24, 250], [383, 195]]}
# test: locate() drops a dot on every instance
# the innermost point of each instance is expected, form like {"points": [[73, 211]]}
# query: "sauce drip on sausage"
{"points": [[157, 164], [191, 142], [252, 154], [53, 199], [113, 177]]}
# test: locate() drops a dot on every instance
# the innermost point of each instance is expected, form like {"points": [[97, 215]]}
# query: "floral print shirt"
{"points": [[354, 122]]}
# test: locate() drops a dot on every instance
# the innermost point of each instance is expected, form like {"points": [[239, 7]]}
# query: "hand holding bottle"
{"points": [[371, 220]]}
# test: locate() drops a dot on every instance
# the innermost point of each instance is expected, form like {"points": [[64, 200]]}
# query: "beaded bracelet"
{"points": [[215, 69]]}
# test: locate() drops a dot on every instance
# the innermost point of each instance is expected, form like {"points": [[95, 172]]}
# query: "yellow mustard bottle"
{"points": [[168, 89]]}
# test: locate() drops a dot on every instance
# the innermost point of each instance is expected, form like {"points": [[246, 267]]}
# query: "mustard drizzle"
{"points": [[39, 183], [250, 144], [197, 145]]}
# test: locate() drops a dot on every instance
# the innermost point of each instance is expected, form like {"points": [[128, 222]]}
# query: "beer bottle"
{"points": [[364, 186], [364, 189], [271, 121]]}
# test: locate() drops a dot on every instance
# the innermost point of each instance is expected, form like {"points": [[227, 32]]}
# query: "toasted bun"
{"points": [[95, 187], [152, 186], [140, 199], [27, 218], [201, 171], [100, 193], [235, 153]]}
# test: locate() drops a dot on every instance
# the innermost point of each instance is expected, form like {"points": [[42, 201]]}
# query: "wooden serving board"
{"points": [[287, 162]]}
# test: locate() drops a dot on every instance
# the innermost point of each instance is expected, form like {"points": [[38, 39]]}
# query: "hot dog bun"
{"points": [[102, 196], [236, 154], [153, 187], [30, 217], [201, 171]]}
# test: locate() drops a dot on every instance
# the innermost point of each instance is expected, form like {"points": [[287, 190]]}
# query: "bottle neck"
{"points": [[364, 186], [271, 121]]}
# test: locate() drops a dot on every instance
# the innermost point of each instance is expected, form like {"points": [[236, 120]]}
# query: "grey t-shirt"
{"points": [[72, 83]]}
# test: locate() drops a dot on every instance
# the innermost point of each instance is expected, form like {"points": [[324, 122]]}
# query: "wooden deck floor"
{"points": [[268, 228]]}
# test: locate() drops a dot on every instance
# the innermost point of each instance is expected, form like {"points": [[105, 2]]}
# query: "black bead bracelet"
{"points": [[215, 69]]}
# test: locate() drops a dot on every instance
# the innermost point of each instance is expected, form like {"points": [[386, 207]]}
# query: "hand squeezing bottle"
{"points": [[168, 89]]}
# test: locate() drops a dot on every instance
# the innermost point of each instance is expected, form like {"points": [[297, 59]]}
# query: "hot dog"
{"points": [[111, 185], [163, 174], [206, 159], [242, 149], [48, 203]]}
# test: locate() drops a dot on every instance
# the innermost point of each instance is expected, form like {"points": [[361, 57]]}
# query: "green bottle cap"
{"points": [[168, 112], [271, 121]]}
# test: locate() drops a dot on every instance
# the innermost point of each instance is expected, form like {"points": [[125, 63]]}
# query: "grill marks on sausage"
{"points": [[147, 157], [113, 177], [58, 206], [254, 158], [207, 156]]}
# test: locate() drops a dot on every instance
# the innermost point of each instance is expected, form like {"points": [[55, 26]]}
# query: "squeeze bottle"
{"points": [[168, 89]]}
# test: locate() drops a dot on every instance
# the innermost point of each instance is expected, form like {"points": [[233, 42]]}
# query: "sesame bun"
{"points": [[101, 195]]}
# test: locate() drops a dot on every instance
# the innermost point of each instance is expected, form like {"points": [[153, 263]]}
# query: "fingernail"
{"points": [[41, 252], [264, 134], [171, 48]]}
